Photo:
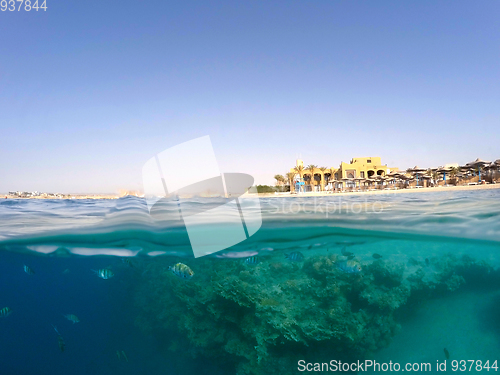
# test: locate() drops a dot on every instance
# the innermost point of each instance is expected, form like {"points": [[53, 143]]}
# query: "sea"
{"points": [[354, 284]]}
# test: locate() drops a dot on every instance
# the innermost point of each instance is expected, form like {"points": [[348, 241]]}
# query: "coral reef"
{"points": [[261, 318]]}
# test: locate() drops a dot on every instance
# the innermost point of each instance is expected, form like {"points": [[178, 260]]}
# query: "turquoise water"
{"points": [[429, 280]]}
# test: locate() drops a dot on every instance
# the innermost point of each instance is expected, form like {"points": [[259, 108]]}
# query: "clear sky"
{"points": [[90, 90]]}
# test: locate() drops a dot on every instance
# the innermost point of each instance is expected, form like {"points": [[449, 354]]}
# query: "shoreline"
{"points": [[375, 192], [64, 196], [288, 195]]}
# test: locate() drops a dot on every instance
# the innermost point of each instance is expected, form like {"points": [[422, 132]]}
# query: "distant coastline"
{"points": [[63, 196], [42, 195], [280, 195]]}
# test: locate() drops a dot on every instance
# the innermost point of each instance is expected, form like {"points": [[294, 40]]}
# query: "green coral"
{"points": [[261, 318]]}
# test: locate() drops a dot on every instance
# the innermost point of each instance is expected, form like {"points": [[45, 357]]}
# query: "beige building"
{"points": [[346, 174]]}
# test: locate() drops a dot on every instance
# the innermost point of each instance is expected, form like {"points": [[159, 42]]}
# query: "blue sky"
{"points": [[91, 90]]}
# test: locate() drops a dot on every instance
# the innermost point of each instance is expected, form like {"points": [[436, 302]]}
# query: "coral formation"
{"points": [[261, 318]]}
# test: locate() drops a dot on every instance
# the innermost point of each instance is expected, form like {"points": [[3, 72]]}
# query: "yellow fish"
{"points": [[182, 271]]}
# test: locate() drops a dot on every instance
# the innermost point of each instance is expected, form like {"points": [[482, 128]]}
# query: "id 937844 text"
{"points": [[23, 5]]}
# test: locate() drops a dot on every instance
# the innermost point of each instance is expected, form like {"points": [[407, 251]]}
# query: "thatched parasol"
{"points": [[477, 163]]}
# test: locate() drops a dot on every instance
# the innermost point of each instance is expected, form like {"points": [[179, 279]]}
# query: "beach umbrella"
{"points": [[340, 182], [443, 170], [490, 168], [497, 164], [393, 175], [382, 179], [416, 171], [371, 180], [426, 177], [477, 164], [359, 179], [466, 170], [346, 179]]}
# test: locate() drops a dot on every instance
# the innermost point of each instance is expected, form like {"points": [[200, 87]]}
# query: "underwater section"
{"points": [[406, 277], [264, 314]]}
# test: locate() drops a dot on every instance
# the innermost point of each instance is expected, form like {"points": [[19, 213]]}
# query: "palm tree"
{"points": [[435, 176], [290, 176], [332, 174], [300, 170], [453, 172], [279, 179], [311, 168], [323, 169]]}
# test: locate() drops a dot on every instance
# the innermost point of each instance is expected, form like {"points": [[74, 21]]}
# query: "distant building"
{"points": [[345, 174], [366, 167]]}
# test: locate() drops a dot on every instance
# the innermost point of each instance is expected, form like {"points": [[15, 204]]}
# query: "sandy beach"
{"points": [[398, 191]]}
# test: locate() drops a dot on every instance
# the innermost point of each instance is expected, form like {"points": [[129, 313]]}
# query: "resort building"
{"points": [[314, 178], [368, 173]]}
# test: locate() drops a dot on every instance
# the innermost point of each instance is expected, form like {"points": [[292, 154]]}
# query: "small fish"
{"points": [[62, 344], [376, 256], [350, 257], [252, 260], [66, 271], [427, 261], [182, 271], [104, 273], [5, 312], [345, 252], [55, 329], [446, 353], [28, 270], [118, 354], [72, 318], [296, 256], [124, 355], [349, 266]]}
